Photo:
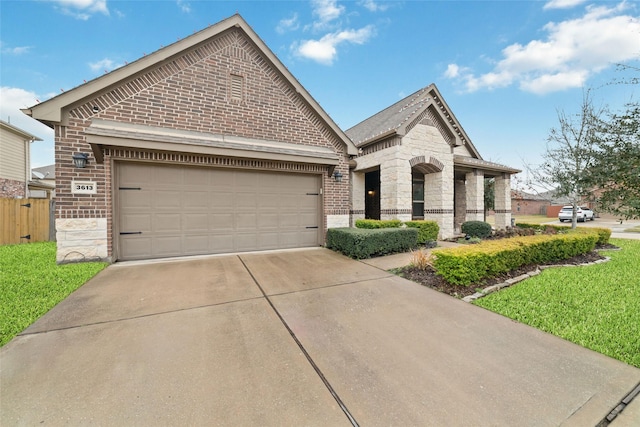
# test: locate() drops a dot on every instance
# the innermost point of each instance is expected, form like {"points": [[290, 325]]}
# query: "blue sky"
{"points": [[504, 67]]}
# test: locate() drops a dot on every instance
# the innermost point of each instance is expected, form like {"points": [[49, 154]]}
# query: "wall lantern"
{"points": [[80, 160], [337, 176]]}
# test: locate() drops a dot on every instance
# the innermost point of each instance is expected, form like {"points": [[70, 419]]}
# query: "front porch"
{"points": [[427, 189]]}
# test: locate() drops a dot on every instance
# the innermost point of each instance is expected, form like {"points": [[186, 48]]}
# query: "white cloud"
{"points": [[14, 99], [18, 50], [104, 65], [554, 82], [572, 51], [452, 72], [325, 11], [288, 24], [82, 9], [184, 6], [562, 4], [324, 50], [374, 6]]}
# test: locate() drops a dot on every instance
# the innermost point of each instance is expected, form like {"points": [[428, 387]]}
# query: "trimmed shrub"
{"points": [[603, 233], [469, 264], [479, 229], [427, 230], [362, 243], [376, 223]]}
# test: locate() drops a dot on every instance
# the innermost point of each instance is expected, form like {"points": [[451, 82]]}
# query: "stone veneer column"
{"points": [[395, 190], [503, 201], [357, 197], [460, 204], [475, 196], [438, 200]]}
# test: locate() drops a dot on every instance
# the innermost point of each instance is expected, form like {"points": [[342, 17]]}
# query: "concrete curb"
{"points": [[509, 282]]}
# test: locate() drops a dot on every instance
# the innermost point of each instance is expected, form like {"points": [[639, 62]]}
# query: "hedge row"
{"points": [[376, 223], [427, 230], [469, 264], [603, 233], [361, 243]]}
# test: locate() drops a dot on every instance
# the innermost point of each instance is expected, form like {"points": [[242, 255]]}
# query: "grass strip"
{"points": [[31, 283], [594, 306]]}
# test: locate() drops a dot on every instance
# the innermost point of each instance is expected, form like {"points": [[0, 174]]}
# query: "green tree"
{"points": [[615, 172]]}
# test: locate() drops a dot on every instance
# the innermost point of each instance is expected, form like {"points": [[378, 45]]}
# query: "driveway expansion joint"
{"points": [[142, 316], [304, 351]]}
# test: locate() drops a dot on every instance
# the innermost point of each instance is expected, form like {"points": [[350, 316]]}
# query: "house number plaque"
{"points": [[84, 187]]}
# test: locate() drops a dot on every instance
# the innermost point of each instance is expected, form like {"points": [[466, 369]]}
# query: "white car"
{"points": [[582, 214]]}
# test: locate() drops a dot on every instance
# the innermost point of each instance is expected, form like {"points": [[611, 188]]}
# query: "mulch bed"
{"points": [[430, 279]]}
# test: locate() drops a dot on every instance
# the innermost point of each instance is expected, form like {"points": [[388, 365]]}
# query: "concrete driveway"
{"points": [[305, 337]]}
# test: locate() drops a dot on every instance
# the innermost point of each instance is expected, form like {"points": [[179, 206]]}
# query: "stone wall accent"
{"points": [[423, 141], [357, 197], [337, 221], [12, 189], [81, 239]]}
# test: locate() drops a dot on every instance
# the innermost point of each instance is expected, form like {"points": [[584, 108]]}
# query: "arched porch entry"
{"points": [[421, 166]]}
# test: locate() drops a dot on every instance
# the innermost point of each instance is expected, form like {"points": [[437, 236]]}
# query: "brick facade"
{"points": [[13, 189], [223, 86]]}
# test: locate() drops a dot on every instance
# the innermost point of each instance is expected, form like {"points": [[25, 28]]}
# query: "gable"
{"points": [[426, 106], [222, 87], [220, 80]]}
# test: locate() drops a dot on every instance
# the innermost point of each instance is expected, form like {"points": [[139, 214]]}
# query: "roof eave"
{"points": [[483, 165], [377, 138], [21, 133]]}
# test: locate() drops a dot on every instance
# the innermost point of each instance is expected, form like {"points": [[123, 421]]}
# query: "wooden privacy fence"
{"points": [[26, 220]]}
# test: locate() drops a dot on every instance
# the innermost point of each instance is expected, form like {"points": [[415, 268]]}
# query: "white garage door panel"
{"points": [[172, 211]]}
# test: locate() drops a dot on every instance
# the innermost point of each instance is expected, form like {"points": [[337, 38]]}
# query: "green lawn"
{"points": [[596, 306], [31, 284]]}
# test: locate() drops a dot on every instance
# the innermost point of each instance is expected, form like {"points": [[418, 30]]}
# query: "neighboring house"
{"points": [[557, 203], [523, 203], [15, 160], [43, 182], [205, 146], [415, 161]]}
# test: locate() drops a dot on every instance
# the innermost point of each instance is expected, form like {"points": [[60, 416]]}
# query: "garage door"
{"points": [[165, 211]]}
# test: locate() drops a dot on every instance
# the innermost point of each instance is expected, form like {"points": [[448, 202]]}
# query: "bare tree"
{"points": [[569, 155]]}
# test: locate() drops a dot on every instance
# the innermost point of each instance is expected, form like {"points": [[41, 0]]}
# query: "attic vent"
{"points": [[236, 89]]}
